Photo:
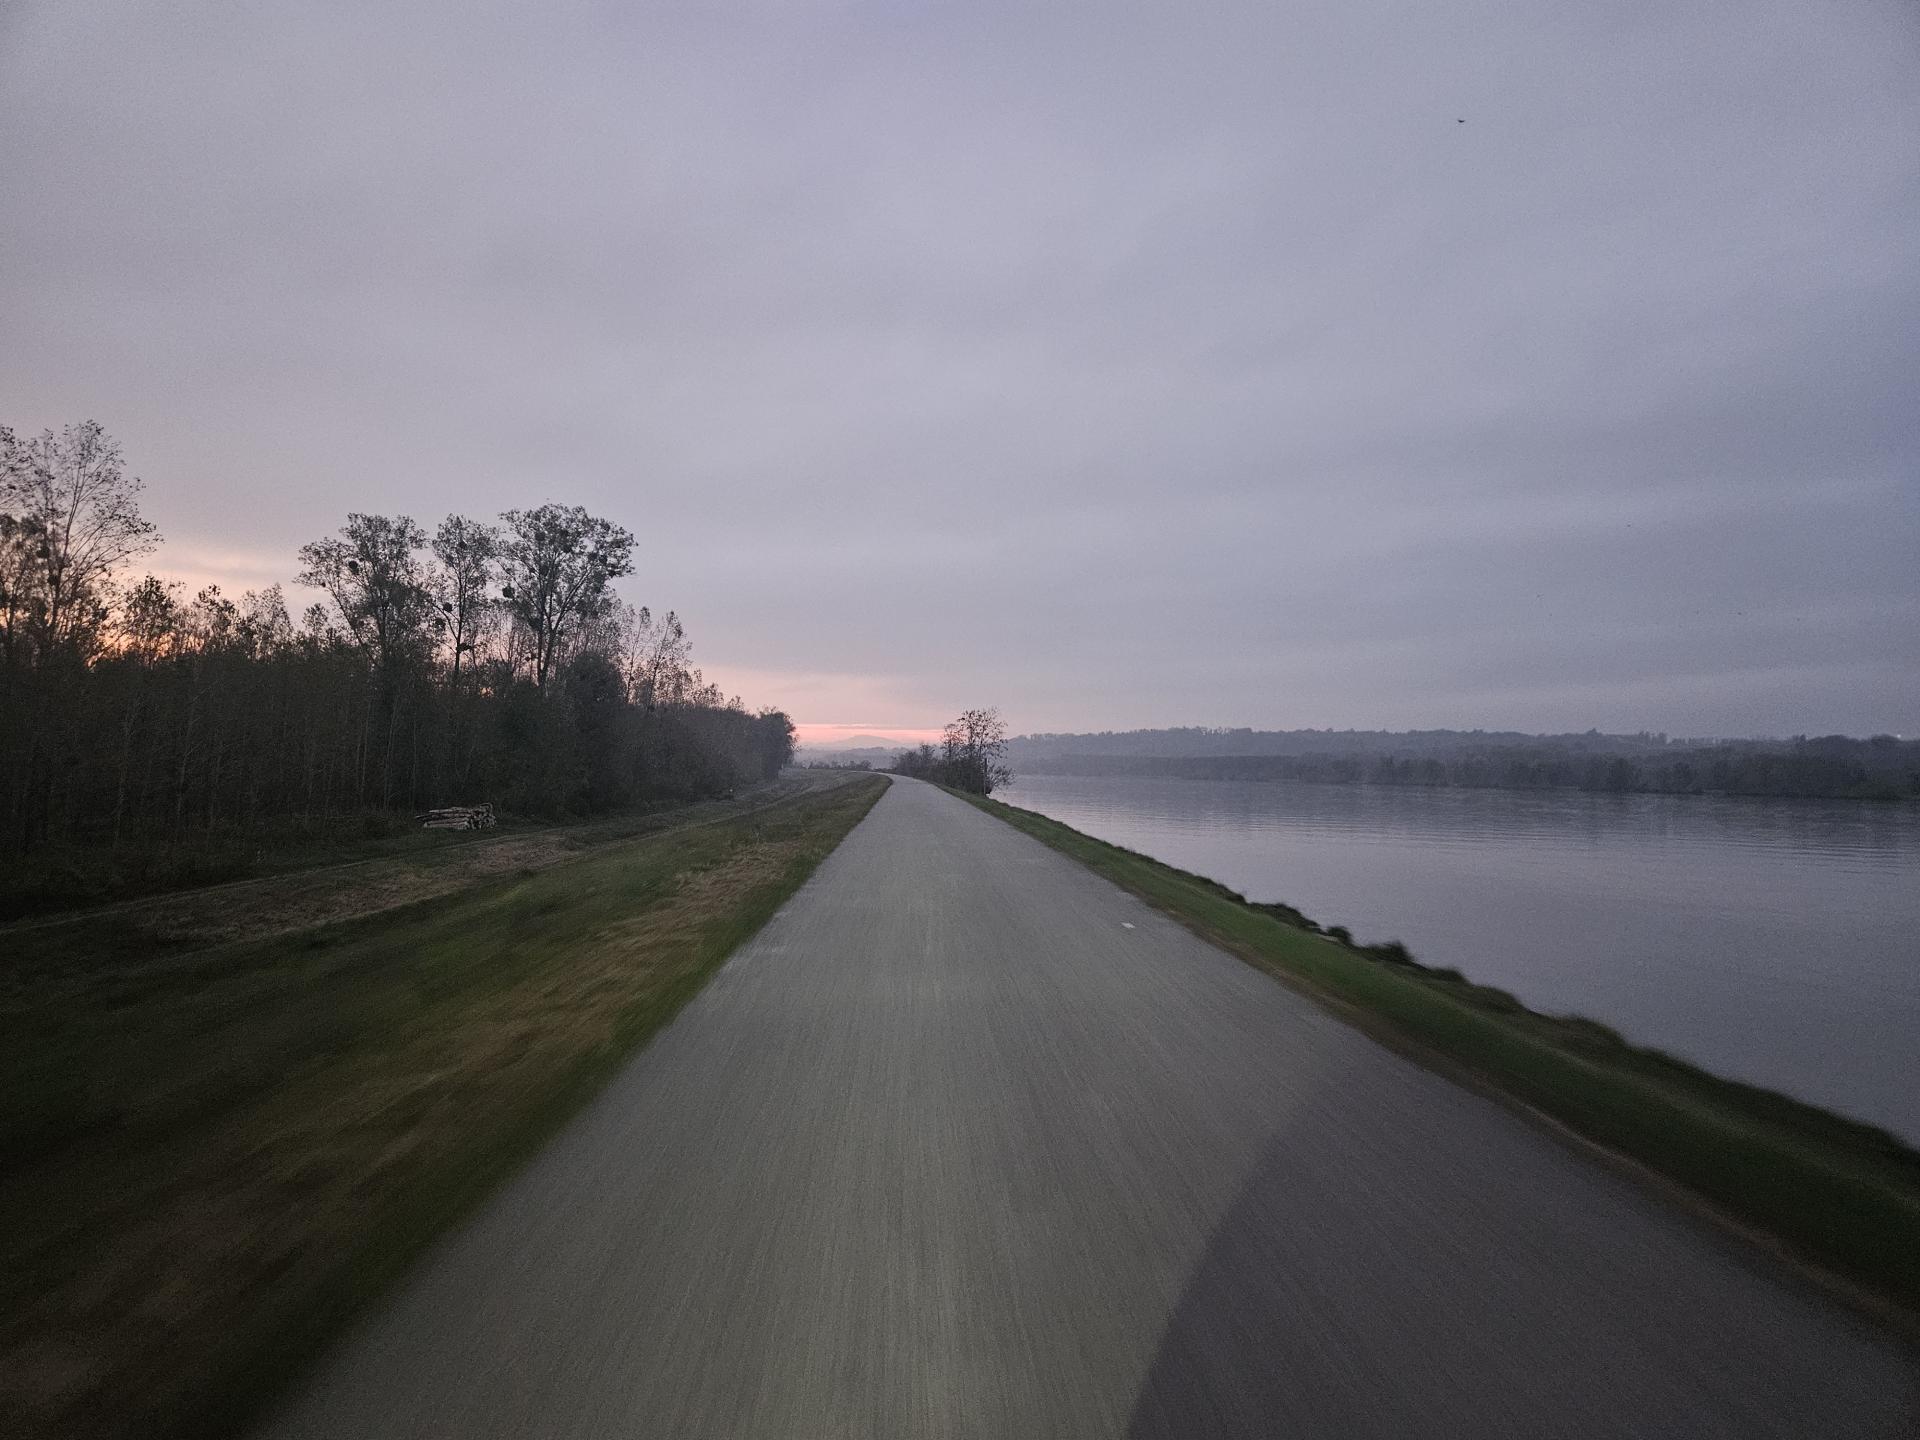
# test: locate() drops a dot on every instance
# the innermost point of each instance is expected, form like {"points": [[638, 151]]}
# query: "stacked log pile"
{"points": [[457, 817]]}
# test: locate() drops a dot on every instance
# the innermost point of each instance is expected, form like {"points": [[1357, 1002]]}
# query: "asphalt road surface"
{"points": [[970, 1143]]}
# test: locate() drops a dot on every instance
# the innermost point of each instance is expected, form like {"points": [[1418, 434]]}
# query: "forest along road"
{"points": [[969, 1142]]}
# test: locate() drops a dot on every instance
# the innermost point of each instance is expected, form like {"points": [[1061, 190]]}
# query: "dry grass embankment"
{"points": [[284, 890], [217, 1155]]}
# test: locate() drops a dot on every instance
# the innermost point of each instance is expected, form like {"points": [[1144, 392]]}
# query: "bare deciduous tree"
{"points": [[372, 572], [976, 742], [659, 659], [150, 619], [557, 563], [72, 520], [468, 552], [970, 756]]}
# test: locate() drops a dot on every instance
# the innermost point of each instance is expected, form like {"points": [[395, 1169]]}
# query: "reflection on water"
{"points": [[1775, 941]]}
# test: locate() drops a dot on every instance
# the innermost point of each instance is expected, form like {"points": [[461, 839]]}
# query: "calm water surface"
{"points": [[1771, 940]]}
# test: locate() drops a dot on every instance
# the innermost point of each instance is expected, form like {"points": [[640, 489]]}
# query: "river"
{"points": [[1774, 941]]}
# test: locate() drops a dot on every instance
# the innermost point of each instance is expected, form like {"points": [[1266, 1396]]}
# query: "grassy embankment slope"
{"points": [[217, 1156], [53, 883], [1839, 1194], [297, 890]]}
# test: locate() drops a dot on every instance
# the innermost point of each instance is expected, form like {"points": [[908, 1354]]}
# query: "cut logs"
{"points": [[457, 817]]}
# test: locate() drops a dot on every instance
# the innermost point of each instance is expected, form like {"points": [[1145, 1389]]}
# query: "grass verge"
{"points": [[216, 1158], [76, 882], [1835, 1193], [262, 907]]}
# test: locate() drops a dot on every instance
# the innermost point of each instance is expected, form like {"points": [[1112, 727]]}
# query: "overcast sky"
{"points": [[1118, 365]]}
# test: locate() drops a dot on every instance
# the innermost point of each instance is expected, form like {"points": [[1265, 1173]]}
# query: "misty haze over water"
{"points": [[1771, 941]]}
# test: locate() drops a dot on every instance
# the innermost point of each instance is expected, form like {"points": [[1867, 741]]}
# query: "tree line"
{"points": [[480, 661], [971, 755], [1242, 741], [1826, 767]]}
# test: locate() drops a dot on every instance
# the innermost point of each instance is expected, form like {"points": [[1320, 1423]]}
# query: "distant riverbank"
{"points": [[1742, 774]]}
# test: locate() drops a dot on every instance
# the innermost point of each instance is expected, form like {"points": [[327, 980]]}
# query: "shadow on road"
{"points": [[1373, 1280]]}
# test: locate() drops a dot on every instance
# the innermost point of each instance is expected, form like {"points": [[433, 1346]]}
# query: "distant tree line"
{"points": [[971, 755], [482, 661], [1832, 767], [1241, 741]]}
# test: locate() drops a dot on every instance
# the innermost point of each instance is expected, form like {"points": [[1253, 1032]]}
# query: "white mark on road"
{"points": [[1126, 925]]}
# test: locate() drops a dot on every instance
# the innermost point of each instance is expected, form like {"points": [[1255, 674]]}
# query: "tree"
{"points": [[922, 763], [970, 756], [19, 587], [658, 655], [265, 627], [212, 623], [557, 563], [976, 743], [214, 722], [468, 552], [774, 738], [150, 620], [372, 573], [71, 520]]}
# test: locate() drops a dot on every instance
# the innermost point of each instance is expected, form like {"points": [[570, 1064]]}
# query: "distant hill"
{"points": [[1204, 740]]}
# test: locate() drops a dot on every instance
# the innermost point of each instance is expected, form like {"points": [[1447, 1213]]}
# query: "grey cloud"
{"points": [[1119, 364]]}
